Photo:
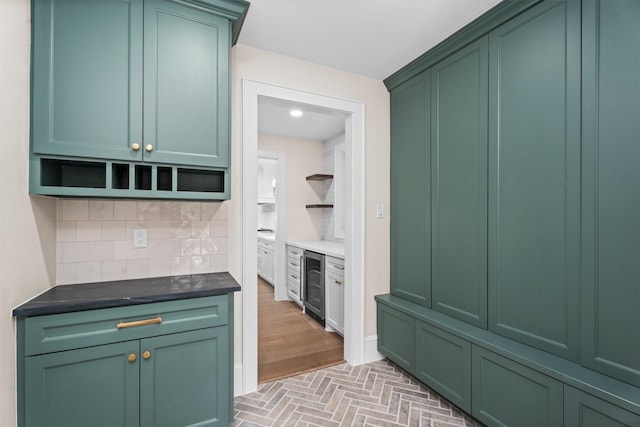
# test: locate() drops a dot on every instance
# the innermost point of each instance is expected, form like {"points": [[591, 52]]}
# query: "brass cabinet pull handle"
{"points": [[146, 355], [139, 323], [148, 147], [338, 282], [132, 357], [339, 267], [135, 146]]}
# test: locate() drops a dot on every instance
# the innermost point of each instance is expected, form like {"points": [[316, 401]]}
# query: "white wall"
{"points": [[302, 158], [272, 68], [27, 224]]}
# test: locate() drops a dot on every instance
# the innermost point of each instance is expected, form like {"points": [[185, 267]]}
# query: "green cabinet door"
{"points": [[534, 178], [505, 393], [443, 362], [584, 410], [95, 386], [459, 104], [411, 191], [611, 188], [87, 78], [186, 81], [396, 336], [184, 379]]}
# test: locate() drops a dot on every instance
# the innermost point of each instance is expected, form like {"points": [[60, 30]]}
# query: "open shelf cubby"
{"points": [[95, 178]]}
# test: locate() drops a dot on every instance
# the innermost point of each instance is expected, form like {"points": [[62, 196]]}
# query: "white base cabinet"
{"points": [[294, 274], [334, 294], [266, 260]]}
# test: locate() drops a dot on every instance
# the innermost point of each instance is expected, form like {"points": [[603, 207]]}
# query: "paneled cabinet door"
{"points": [[611, 188], [584, 410], [397, 337], [459, 183], [186, 85], [87, 78], [95, 386], [534, 178], [411, 191], [443, 362], [505, 393], [185, 380]]}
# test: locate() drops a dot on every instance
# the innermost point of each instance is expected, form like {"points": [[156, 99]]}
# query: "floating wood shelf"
{"points": [[319, 177], [319, 206]]}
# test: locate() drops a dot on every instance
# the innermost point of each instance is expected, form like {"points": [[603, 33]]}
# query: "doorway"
{"points": [[354, 340]]}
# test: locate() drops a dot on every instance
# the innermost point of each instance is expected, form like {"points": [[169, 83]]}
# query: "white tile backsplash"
{"points": [[95, 239]]}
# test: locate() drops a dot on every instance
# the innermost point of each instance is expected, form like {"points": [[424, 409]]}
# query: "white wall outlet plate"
{"points": [[140, 238], [380, 210]]}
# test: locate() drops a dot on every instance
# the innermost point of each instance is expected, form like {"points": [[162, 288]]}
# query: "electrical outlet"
{"points": [[140, 238], [380, 210]]}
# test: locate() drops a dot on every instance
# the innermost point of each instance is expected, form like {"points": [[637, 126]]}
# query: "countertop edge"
{"points": [[150, 291]]}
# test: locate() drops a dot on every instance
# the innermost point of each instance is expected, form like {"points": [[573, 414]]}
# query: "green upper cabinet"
{"points": [[459, 114], [411, 191], [611, 188], [87, 78], [131, 98], [89, 63], [186, 85], [534, 178]]}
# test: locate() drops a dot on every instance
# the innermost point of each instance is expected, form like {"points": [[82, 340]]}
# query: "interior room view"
{"points": [[335, 213], [300, 205]]}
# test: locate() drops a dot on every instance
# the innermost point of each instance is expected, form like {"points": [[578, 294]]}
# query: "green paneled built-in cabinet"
{"points": [[165, 363], [132, 98], [410, 225], [515, 242]]}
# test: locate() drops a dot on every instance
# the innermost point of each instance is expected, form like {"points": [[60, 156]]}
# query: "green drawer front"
{"points": [[506, 393], [584, 410], [57, 332], [443, 362]]}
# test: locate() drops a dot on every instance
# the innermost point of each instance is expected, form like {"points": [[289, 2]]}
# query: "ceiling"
{"points": [[373, 38], [318, 124]]}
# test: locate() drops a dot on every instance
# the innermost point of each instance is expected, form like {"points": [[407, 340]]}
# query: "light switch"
{"points": [[380, 210]]}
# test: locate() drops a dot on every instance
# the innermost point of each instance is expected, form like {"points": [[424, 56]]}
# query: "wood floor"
{"points": [[290, 342]]}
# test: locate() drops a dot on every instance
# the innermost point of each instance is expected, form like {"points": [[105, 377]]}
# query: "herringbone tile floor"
{"points": [[375, 394]]}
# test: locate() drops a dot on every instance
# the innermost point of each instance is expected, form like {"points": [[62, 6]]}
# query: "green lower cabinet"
{"points": [[396, 337], [158, 364], [584, 410], [443, 362], [506, 393], [95, 386], [183, 382]]}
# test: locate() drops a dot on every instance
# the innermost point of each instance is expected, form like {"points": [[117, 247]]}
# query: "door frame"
{"points": [[354, 337], [279, 275]]}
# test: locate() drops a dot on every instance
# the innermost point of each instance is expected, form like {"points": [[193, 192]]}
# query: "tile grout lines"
{"points": [[375, 394]]}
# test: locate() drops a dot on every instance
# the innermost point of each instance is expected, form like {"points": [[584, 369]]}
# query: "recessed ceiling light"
{"points": [[295, 113]]}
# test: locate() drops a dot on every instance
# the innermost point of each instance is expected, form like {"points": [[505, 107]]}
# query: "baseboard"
{"points": [[371, 353], [237, 380]]}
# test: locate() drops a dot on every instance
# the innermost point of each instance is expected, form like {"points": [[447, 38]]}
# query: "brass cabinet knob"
{"points": [[135, 146], [131, 357], [146, 354], [148, 147]]}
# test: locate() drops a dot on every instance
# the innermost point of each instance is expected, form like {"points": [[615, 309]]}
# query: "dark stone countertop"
{"points": [[90, 296]]}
